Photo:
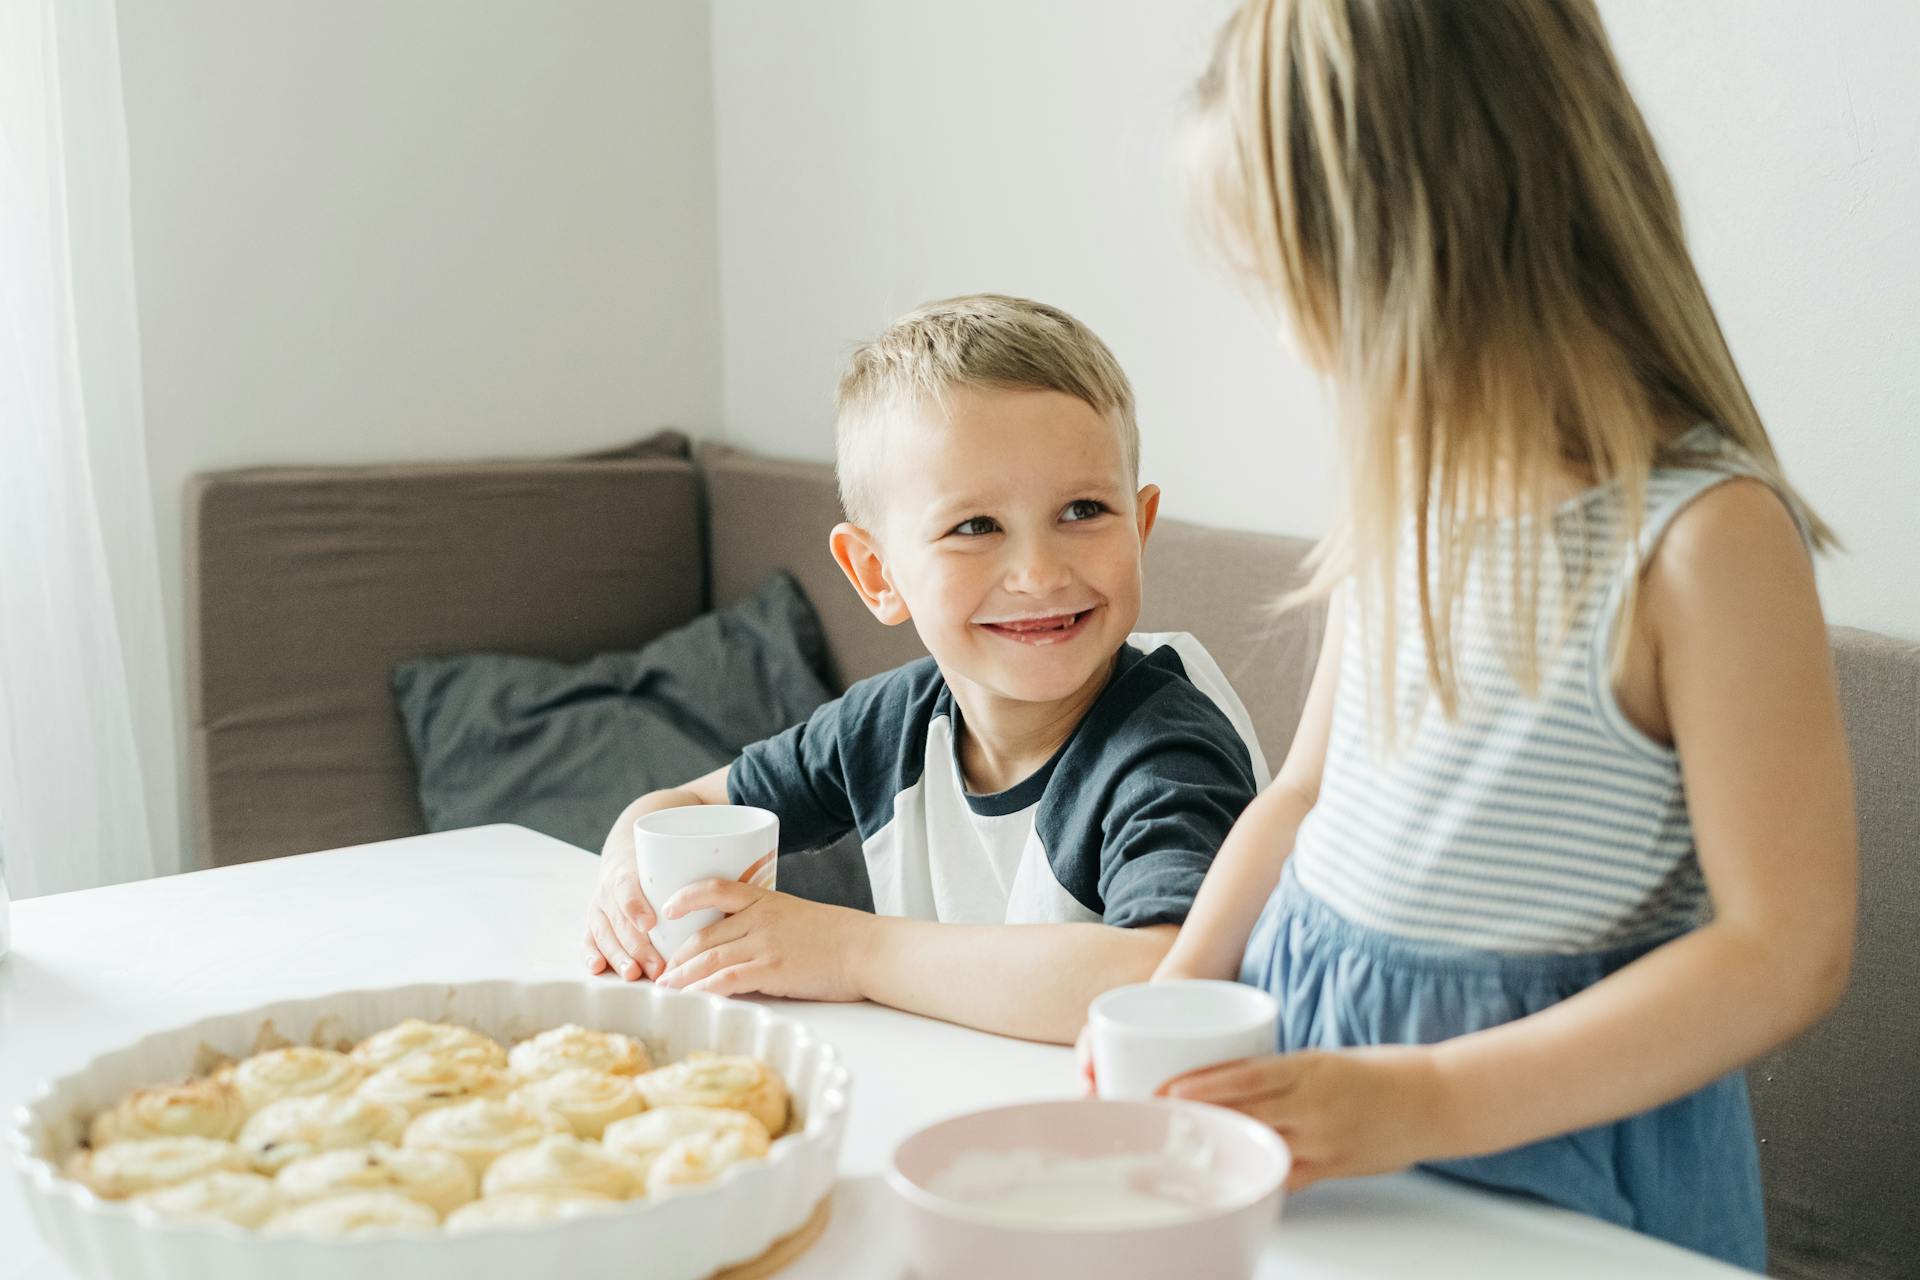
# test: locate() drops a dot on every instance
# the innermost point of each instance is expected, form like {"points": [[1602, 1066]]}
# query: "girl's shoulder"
{"points": [[1732, 578], [1724, 559], [1736, 535], [1706, 486], [1710, 504]]}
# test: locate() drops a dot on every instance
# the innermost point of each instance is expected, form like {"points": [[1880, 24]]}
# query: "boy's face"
{"points": [[1010, 533]]}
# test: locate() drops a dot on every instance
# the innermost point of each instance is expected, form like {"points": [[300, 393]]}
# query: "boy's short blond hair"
{"points": [[984, 340]]}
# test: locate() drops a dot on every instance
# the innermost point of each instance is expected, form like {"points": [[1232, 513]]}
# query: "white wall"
{"points": [[435, 229], [873, 154]]}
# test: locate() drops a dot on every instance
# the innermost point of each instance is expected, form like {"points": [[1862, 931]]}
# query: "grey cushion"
{"points": [[306, 584], [562, 747]]}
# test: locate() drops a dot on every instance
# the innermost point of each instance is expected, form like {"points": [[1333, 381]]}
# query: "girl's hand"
{"points": [[1344, 1112], [771, 943]]}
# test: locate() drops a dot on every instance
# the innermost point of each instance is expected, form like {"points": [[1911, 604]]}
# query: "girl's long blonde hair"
{"points": [[1461, 211]]}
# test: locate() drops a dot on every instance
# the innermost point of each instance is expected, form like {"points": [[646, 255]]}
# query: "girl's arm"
{"points": [[1745, 680], [1248, 865]]}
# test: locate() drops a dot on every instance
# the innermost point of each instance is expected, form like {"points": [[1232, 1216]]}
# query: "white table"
{"points": [[96, 969]]}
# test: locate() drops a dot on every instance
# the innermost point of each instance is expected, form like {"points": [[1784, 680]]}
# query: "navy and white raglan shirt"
{"points": [[1118, 827]]}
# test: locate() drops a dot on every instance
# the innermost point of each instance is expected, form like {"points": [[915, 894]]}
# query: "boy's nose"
{"points": [[1036, 571]]}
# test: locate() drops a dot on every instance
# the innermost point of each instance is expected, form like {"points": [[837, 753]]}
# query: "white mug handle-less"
{"points": [[673, 848], [1146, 1034]]}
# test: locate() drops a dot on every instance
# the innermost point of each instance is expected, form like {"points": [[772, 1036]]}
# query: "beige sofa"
{"points": [[306, 585]]}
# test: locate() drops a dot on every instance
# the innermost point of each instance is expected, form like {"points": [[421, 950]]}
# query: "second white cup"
{"points": [[675, 847], [1146, 1034]]}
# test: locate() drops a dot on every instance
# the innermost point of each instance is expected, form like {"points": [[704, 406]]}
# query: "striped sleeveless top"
{"points": [[1523, 825]]}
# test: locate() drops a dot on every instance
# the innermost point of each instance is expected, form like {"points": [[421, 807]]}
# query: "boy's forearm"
{"points": [[665, 798], [1033, 981], [710, 788], [1671, 1022], [1237, 886]]}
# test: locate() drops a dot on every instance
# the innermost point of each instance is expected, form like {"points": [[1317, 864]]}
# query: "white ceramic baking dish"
{"points": [[685, 1235]]}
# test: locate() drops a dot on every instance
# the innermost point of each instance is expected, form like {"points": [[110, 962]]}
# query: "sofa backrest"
{"points": [[305, 585]]}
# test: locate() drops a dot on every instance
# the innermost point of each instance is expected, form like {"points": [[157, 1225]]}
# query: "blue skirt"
{"points": [[1687, 1172]]}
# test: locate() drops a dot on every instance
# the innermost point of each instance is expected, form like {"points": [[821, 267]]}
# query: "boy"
{"points": [[1039, 800]]}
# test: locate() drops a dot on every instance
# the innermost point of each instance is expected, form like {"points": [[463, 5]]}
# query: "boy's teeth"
{"points": [[1058, 623]]}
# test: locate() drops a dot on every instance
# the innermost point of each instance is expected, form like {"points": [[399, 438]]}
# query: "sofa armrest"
{"points": [[306, 584]]}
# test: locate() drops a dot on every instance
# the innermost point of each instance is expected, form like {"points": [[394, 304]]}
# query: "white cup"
{"points": [[675, 847], [1146, 1034]]}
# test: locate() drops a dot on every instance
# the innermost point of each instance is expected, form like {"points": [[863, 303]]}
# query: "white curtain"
{"points": [[88, 775]]}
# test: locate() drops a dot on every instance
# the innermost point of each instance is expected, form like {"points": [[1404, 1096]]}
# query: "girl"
{"points": [[1508, 942]]}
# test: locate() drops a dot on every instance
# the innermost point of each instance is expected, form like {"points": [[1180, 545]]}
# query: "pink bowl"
{"points": [[948, 1240]]}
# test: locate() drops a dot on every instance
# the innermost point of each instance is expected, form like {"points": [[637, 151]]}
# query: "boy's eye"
{"points": [[974, 526], [1083, 509]]}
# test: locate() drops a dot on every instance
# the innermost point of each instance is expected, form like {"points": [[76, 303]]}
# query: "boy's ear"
{"points": [[1147, 509], [857, 552]]}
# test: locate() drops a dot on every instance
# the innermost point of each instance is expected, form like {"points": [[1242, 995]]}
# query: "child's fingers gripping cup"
{"points": [[674, 848], [1146, 1034]]}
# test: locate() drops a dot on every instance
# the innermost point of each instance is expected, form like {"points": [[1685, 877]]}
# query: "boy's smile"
{"points": [[1048, 628], [1010, 534]]}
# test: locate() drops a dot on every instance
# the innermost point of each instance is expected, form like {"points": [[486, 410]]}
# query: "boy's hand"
{"points": [[618, 919], [771, 943], [620, 916], [1344, 1112]]}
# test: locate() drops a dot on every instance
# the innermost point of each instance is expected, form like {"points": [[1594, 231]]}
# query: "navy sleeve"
{"points": [[1145, 796], [842, 768], [798, 775], [1170, 811]]}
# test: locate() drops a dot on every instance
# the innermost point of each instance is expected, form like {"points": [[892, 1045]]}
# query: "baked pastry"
{"points": [[562, 1162], [203, 1108], [282, 1132], [243, 1199], [588, 1101], [576, 1046], [356, 1214], [424, 1082], [145, 1164], [738, 1083], [699, 1158], [645, 1137], [425, 1121], [440, 1180], [295, 1072], [524, 1209], [481, 1130], [440, 1039]]}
